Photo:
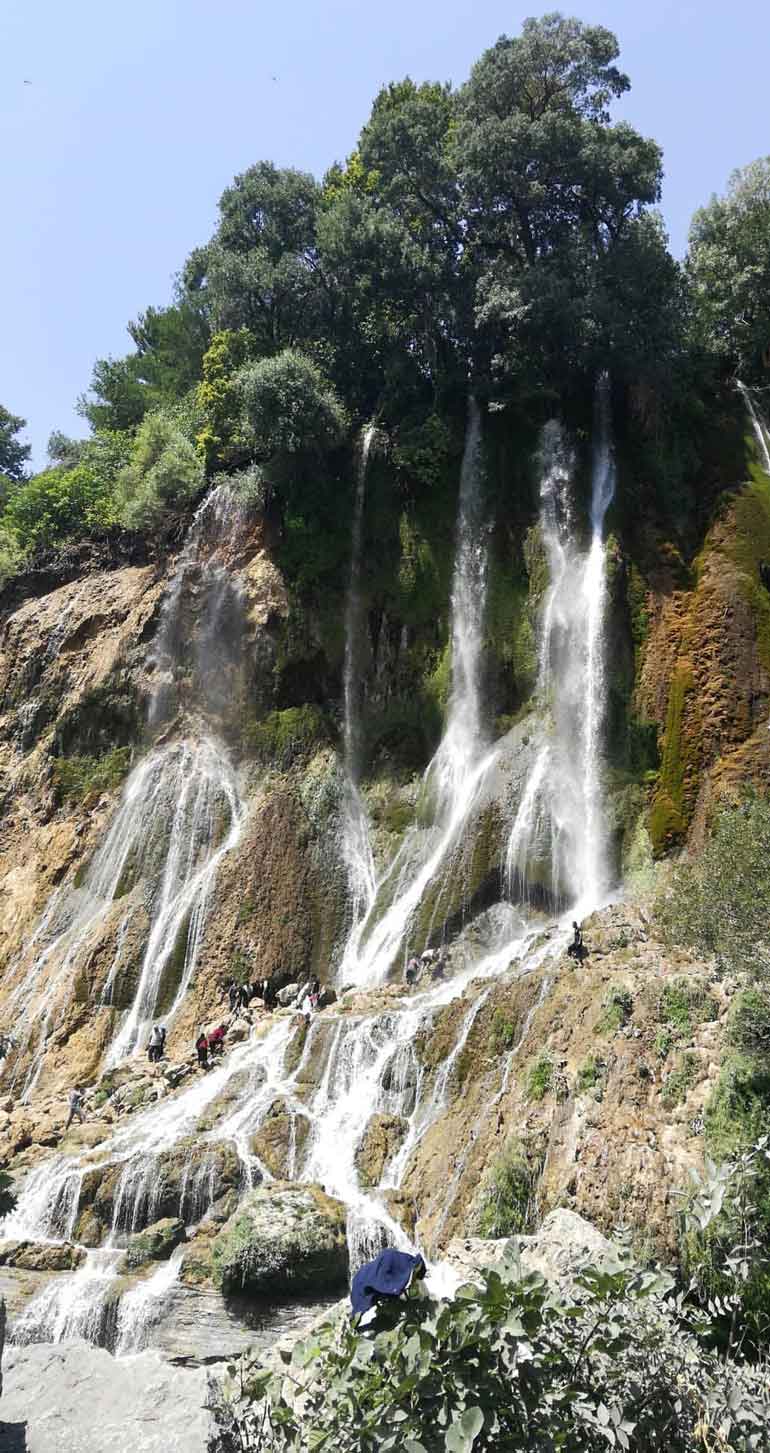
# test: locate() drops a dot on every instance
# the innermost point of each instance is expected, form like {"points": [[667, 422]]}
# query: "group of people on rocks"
{"points": [[210, 1044], [431, 959], [241, 995]]}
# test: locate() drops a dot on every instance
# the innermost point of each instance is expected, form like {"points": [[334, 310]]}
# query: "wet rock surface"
{"points": [[283, 1238], [75, 1398]]}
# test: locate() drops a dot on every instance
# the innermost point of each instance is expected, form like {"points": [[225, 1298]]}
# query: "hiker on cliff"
{"points": [[244, 995], [202, 1050], [7, 1042], [384, 1279], [217, 1040], [314, 993], [268, 993], [232, 994], [577, 949], [75, 1107], [155, 1045], [412, 970]]}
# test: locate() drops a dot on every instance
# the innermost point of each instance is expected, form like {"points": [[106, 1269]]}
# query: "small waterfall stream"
{"points": [[761, 433], [356, 843]]}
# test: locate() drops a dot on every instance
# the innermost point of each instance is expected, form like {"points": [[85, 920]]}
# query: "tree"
{"points": [[259, 270], [64, 503], [170, 344], [13, 454], [162, 477], [288, 407], [729, 267]]}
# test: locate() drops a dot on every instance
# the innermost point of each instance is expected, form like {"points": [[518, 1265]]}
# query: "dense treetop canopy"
{"points": [[503, 233]]}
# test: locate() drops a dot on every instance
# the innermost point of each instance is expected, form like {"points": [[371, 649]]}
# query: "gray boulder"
{"points": [[283, 1239], [75, 1398], [564, 1244]]}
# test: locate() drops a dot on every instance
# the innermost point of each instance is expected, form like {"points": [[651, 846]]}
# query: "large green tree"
{"points": [[13, 454], [729, 265]]}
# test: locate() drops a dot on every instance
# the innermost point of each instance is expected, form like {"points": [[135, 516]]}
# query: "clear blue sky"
{"points": [[138, 113]]}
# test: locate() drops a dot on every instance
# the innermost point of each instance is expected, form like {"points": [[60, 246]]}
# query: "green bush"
{"points": [[507, 1198], [11, 554], [503, 1032], [540, 1077], [62, 503], [686, 1002], [283, 737], [77, 777], [288, 407], [748, 1028], [680, 1081], [504, 1366], [720, 902], [162, 478], [590, 1074], [617, 1009]]}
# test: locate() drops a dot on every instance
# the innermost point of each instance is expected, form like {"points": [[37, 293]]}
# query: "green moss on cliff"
{"points": [[671, 807], [76, 778]]}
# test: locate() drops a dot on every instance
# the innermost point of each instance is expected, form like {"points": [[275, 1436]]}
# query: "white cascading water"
{"points": [[456, 774], [356, 842], [370, 1061], [180, 812], [760, 429], [563, 794]]}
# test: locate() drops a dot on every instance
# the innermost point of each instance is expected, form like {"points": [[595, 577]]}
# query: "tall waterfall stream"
{"points": [[368, 1058]]}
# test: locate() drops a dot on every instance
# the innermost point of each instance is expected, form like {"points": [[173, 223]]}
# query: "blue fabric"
{"points": [[387, 1276]]}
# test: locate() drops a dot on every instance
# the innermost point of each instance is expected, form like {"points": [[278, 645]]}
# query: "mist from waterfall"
{"points": [[356, 842], [562, 798], [456, 773], [760, 428]]}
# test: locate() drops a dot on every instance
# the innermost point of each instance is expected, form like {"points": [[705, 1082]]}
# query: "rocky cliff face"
{"points": [[174, 800]]}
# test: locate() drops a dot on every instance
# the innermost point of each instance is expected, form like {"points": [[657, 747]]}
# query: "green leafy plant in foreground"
{"points": [[507, 1365]]}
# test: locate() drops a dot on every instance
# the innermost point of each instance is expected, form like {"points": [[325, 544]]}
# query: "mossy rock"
{"points": [[155, 1243], [283, 1239], [381, 1140], [281, 1139], [41, 1256]]}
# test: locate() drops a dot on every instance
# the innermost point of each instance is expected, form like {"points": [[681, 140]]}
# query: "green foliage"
{"points": [[729, 268], [219, 440], [540, 1077], [508, 1365], [7, 1194], [163, 477], [720, 902], [680, 1081], [503, 1032], [507, 1196], [170, 343], [591, 1073], [11, 554], [288, 407], [76, 778], [748, 1028], [13, 454], [686, 1002], [617, 1008], [671, 806], [64, 503], [284, 737]]}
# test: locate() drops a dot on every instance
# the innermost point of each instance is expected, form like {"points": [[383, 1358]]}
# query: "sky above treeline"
{"points": [[121, 125]]}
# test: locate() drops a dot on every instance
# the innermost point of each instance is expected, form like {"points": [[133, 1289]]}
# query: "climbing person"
{"points": [[412, 970], [385, 1278], [217, 1040], [439, 969], [244, 994], [427, 956], [314, 993], [75, 1106], [7, 1042], [576, 949], [232, 994], [154, 1047], [202, 1050], [268, 994]]}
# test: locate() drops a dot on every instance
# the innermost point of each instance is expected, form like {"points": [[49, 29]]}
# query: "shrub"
{"points": [[283, 737], [540, 1077], [77, 777], [720, 903], [748, 1026], [288, 407], [591, 1072], [507, 1365], [162, 478], [617, 1009], [677, 1084], [507, 1199], [686, 1002], [503, 1032], [63, 503], [11, 555]]}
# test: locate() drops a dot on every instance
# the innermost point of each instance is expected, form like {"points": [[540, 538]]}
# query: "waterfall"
{"points": [[458, 770], [760, 430], [356, 844], [563, 792]]}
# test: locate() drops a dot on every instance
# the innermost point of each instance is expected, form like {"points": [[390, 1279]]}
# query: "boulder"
{"points": [[564, 1244], [283, 1239], [281, 1138], [41, 1256], [155, 1243], [287, 995], [76, 1397], [382, 1137]]}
